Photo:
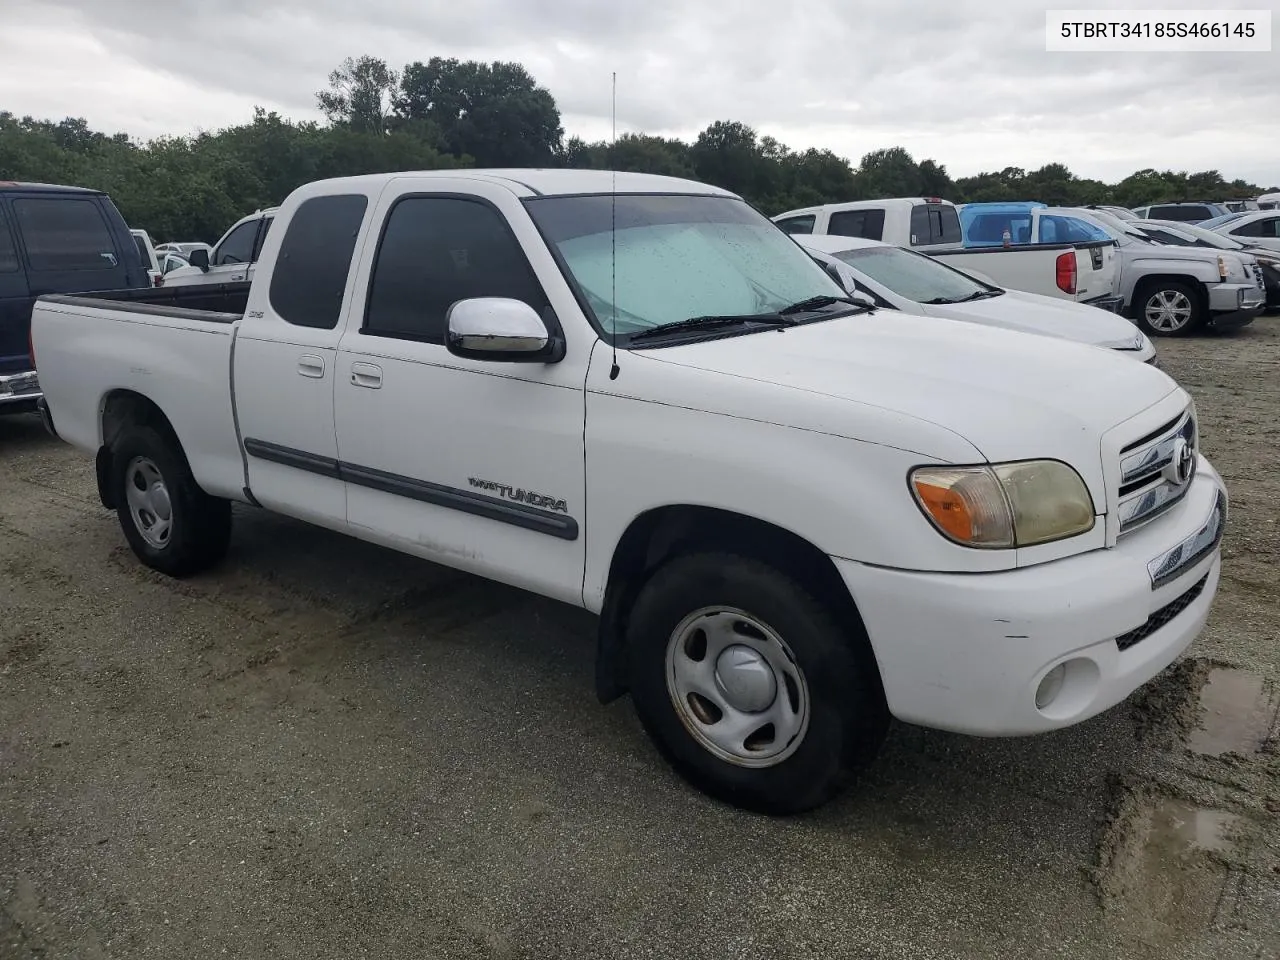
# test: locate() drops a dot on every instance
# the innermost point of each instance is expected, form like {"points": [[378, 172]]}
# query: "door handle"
{"points": [[366, 375], [309, 365], [238, 277]]}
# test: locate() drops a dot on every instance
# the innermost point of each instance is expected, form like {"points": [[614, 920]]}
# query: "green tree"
{"points": [[493, 112], [360, 94]]}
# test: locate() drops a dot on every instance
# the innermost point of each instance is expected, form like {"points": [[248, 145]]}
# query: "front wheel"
{"points": [[1170, 309], [749, 687], [172, 525]]}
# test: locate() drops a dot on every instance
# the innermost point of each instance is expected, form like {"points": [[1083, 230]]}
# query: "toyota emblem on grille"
{"points": [[1183, 462]]}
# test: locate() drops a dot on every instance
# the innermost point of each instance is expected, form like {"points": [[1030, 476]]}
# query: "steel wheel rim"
{"points": [[149, 503], [736, 687], [1169, 310]]}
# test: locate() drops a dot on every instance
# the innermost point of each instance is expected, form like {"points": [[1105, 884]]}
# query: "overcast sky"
{"points": [[966, 82]]}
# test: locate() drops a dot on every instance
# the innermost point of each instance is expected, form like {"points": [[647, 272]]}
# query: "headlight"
{"points": [[1006, 504]]}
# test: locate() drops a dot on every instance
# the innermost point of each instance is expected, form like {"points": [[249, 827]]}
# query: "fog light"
{"points": [[1050, 686]]}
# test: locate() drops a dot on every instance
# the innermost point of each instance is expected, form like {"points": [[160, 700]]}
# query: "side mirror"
{"points": [[500, 329], [199, 258]]}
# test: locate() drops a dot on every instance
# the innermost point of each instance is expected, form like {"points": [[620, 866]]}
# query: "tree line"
{"points": [[448, 113]]}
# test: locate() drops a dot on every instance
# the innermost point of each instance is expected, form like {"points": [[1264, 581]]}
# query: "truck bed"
{"points": [[1032, 267], [171, 346]]}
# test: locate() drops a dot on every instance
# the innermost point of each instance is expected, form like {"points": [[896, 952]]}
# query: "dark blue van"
{"points": [[53, 240]]}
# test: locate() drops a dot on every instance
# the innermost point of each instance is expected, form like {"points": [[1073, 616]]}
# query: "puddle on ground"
{"points": [[1239, 713], [1178, 826]]}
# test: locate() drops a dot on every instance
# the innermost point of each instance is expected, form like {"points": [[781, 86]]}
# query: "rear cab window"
{"points": [[934, 223], [65, 234]]}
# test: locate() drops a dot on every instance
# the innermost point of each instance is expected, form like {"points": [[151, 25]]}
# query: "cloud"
{"points": [[965, 82]]}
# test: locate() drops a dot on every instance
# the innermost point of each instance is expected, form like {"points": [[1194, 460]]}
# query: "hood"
{"points": [[1012, 395], [1048, 316]]}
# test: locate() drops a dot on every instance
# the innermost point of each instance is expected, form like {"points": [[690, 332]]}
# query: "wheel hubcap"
{"points": [[745, 679], [736, 687], [149, 502], [1169, 310]]}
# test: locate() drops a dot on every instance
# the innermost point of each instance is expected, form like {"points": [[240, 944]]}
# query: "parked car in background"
{"points": [[1175, 290], [1084, 272], [1124, 213], [171, 262], [1188, 234], [903, 221], [1216, 222], [1260, 229], [1269, 201], [1184, 212], [795, 516], [184, 249], [147, 251], [1239, 206], [900, 279], [233, 257], [53, 239]]}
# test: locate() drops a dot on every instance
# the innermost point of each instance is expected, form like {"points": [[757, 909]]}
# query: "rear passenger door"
{"points": [[69, 246], [285, 362], [15, 302]]}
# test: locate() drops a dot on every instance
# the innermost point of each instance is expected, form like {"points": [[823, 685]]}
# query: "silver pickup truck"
{"points": [[1172, 291]]}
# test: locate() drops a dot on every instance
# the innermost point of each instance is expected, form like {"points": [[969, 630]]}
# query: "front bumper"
{"points": [[968, 652], [1234, 298]]}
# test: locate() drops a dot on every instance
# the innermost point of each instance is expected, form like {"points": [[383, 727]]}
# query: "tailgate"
{"points": [[1097, 269]]}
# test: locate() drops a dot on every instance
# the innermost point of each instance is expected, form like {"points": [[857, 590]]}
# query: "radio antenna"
{"points": [[613, 228]]}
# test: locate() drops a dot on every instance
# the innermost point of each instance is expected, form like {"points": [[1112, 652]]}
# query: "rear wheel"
{"points": [[172, 525], [1169, 308], [749, 687]]}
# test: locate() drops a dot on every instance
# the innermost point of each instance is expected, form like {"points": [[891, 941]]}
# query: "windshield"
{"points": [[912, 275], [675, 257], [1200, 236]]}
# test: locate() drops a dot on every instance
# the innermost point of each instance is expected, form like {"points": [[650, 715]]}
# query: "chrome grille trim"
{"points": [[1173, 563], [1148, 482]]}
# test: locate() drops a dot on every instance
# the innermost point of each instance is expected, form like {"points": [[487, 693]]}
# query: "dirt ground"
{"points": [[325, 749]]}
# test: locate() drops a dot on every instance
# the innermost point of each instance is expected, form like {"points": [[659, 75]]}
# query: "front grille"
{"points": [[1162, 616], [1150, 482]]}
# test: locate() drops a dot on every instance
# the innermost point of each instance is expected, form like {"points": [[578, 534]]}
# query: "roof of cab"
{"points": [[8, 186], [551, 182]]}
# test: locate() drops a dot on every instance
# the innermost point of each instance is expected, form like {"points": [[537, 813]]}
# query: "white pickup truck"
{"points": [[1081, 269], [796, 515]]}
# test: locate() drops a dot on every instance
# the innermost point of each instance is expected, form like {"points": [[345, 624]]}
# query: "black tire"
{"points": [[848, 718], [1173, 289], [199, 530]]}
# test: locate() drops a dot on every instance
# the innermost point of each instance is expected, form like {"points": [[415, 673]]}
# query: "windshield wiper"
{"points": [[816, 303], [694, 324], [976, 295]]}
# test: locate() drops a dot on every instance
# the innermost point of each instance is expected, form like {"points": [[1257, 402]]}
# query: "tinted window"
{"points": [[919, 225], [1182, 213], [798, 224], [311, 270], [8, 253], [949, 226], [238, 247], [142, 251], [436, 251], [867, 224], [262, 235], [65, 235]]}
